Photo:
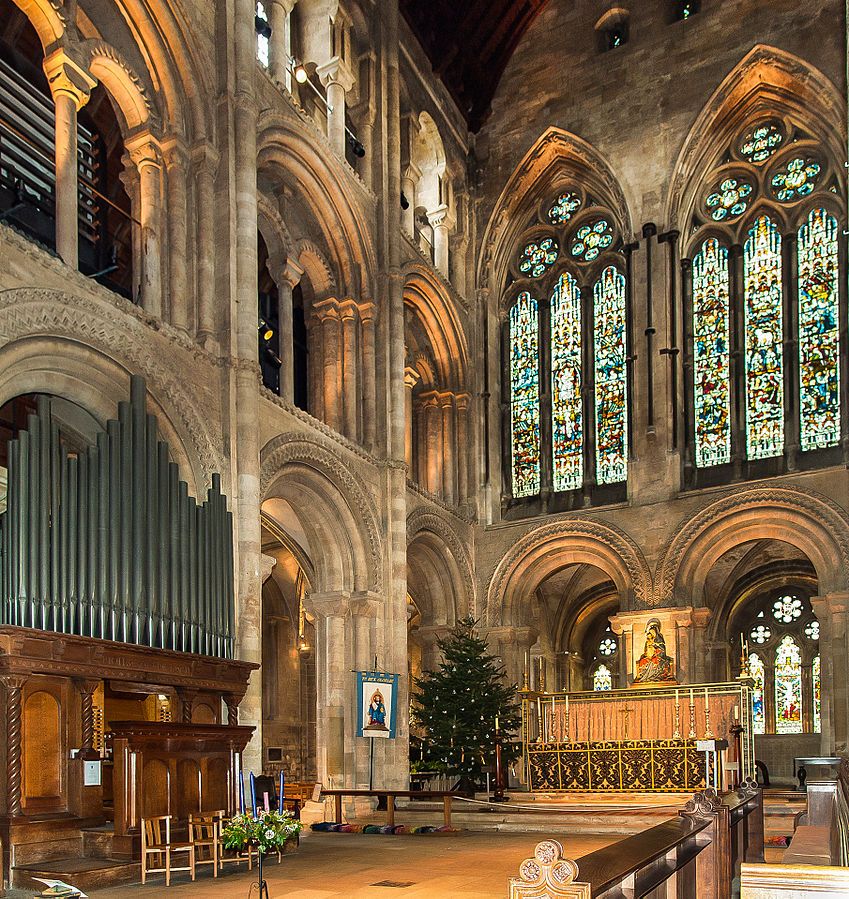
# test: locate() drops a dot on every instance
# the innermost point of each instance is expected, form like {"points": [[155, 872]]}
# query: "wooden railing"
{"points": [[694, 855], [390, 796]]}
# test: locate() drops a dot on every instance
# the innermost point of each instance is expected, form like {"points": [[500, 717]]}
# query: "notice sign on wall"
{"points": [[376, 701]]}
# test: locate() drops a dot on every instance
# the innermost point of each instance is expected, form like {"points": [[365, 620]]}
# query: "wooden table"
{"points": [[390, 795]]}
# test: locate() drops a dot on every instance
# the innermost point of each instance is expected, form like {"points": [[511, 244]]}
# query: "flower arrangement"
{"points": [[269, 830]]}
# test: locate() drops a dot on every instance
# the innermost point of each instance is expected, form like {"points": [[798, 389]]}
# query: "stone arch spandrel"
{"points": [[339, 491], [555, 151], [766, 81], [551, 547], [422, 522], [28, 313], [47, 17], [807, 520]]}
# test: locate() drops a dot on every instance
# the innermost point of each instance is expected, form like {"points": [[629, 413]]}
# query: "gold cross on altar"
{"points": [[626, 712]]}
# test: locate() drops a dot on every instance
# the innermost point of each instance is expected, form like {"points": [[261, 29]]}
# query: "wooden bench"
{"points": [[391, 795]]}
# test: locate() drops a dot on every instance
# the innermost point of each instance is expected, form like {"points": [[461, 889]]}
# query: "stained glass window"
{"points": [[787, 609], [764, 335], [760, 634], [566, 418], [788, 688], [611, 406], [760, 143], [607, 646], [602, 679], [591, 239], [728, 199], [812, 630], [524, 394], [796, 179], [563, 208], [815, 678], [756, 673], [710, 349], [263, 33], [538, 257], [818, 331]]}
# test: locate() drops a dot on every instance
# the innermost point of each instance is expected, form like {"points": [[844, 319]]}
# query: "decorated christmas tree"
{"points": [[454, 709]]}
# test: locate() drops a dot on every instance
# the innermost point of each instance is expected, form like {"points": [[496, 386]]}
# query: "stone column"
{"points": [[144, 152], [368, 316], [70, 85], [14, 684], [280, 42], [315, 367], [176, 163], [464, 454], [338, 80], [286, 275], [433, 442], [411, 378], [409, 179], [350, 392], [832, 611], [446, 401], [205, 160], [428, 638], [438, 221], [328, 313]]}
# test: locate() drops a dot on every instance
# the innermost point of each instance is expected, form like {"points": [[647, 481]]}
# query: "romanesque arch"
{"points": [[95, 374], [551, 547], [806, 520], [339, 520]]}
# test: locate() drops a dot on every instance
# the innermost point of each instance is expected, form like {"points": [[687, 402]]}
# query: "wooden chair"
{"points": [[154, 844], [228, 855], [204, 835]]}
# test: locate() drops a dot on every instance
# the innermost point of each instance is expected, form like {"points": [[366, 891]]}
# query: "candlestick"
{"points": [[241, 791], [568, 737], [280, 799], [551, 734], [708, 734], [677, 734], [253, 794], [692, 734], [526, 670], [496, 722], [539, 720]]}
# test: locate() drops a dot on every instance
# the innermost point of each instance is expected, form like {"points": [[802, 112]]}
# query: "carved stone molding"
{"points": [[286, 448], [823, 515], [424, 520], [622, 550], [28, 312]]}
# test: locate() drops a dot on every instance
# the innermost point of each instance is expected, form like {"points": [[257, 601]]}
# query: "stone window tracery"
{"points": [[566, 344], [762, 294]]}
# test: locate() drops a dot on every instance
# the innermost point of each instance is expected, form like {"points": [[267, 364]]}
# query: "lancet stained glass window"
{"points": [[818, 331], [611, 407], [524, 395], [815, 678], [263, 33], [756, 673], [602, 679], [788, 688], [566, 417], [764, 335], [710, 351]]}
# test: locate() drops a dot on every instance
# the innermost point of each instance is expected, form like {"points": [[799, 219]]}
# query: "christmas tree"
{"points": [[455, 709]]}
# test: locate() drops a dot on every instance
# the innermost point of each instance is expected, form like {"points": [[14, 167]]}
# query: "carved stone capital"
{"points": [[205, 159], [68, 77], [336, 71], [437, 217], [368, 312], [144, 150], [411, 377], [348, 310], [326, 309], [266, 564], [285, 272]]}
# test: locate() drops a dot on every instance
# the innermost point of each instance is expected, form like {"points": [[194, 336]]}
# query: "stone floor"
{"points": [[469, 865]]}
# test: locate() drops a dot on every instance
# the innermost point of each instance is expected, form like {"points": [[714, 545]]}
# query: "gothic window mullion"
{"points": [[588, 391], [545, 396], [792, 444], [737, 359]]}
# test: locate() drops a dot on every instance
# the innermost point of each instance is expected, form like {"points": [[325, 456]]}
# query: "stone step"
{"points": [[84, 873]]}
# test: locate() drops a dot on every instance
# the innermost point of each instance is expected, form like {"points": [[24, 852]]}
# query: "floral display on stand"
{"points": [[268, 831]]}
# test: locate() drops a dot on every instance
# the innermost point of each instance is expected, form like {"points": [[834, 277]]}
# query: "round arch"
{"points": [[550, 548], [47, 17], [341, 525], [806, 520]]}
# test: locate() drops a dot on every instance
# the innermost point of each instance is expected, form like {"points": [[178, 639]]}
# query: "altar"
{"points": [[642, 739]]}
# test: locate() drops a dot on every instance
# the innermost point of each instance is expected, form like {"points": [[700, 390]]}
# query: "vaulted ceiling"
{"points": [[469, 43]]}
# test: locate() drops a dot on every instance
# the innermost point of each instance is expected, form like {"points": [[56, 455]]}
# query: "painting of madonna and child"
{"points": [[654, 666]]}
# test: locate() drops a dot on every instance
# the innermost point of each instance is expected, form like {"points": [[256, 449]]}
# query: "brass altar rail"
{"points": [[703, 849]]}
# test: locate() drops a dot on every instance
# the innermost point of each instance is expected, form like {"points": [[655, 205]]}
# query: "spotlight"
{"points": [[405, 203], [300, 74], [265, 329], [356, 147]]}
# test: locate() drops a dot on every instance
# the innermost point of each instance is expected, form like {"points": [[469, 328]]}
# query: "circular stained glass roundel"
{"points": [[590, 240], [760, 143], [538, 257], [607, 646], [812, 631], [563, 208], [787, 609], [796, 179], [760, 634], [728, 199]]}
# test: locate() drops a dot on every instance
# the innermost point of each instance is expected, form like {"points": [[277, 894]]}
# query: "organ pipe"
{"points": [[109, 544]]}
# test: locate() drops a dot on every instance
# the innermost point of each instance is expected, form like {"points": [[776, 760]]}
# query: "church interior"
{"points": [[328, 325]]}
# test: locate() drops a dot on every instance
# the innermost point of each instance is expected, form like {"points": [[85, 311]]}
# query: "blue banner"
{"points": [[377, 700]]}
